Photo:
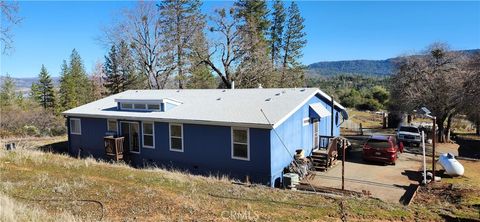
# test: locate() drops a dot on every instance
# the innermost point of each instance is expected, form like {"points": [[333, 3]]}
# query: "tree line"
{"points": [[168, 44], [172, 44], [355, 91]]}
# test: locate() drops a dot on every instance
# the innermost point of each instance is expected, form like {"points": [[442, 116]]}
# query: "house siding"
{"points": [[296, 136], [91, 140], [206, 149]]}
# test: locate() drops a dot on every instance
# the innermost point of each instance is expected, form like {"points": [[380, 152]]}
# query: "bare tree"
{"points": [[97, 77], [9, 18], [434, 80], [141, 29], [472, 91], [228, 47]]}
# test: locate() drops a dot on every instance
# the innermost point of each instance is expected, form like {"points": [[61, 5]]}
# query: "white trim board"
{"points": [[303, 103]]}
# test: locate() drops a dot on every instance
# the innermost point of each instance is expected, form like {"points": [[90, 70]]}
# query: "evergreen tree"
{"points": [[276, 30], [75, 86], [255, 14], [43, 91], [113, 79], [255, 69], [83, 86], [126, 66], [68, 97], [201, 78], [120, 71], [7, 92], [180, 20], [294, 42]]}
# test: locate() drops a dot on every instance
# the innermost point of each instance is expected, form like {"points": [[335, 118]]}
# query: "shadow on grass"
{"points": [[457, 219], [468, 147], [57, 147]]}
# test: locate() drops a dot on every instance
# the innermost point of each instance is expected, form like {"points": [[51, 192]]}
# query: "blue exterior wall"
{"points": [[91, 141], [207, 149], [296, 136]]}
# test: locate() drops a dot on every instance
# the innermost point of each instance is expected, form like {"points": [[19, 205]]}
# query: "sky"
{"points": [[335, 30]]}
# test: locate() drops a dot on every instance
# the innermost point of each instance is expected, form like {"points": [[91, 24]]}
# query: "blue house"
{"points": [[236, 132]]}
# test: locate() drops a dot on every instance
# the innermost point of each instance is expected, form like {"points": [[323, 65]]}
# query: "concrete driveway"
{"points": [[386, 182]]}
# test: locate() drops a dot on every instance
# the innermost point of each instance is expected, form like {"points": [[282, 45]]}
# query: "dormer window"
{"points": [[154, 107], [126, 106], [139, 106], [161, 105]]}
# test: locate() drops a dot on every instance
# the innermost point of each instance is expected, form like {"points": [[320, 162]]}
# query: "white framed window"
{"points": [[153, 106], [306, 121], [126, 105], [75, 126], [176, 137], [148, 132], [112, 125], [139, 106], [240, 143]]}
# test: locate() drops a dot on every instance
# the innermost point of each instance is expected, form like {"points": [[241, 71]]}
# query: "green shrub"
{"points": [[369, 104]]}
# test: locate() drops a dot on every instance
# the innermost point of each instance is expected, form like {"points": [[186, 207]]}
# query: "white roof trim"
{"points": [[168, 120], [303, 103], [320, 110]]}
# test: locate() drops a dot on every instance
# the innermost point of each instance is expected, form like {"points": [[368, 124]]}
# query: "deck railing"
{"points": [[114, 147]]}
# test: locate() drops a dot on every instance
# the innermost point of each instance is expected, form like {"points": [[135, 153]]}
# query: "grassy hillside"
{"points": [[49, 187]]}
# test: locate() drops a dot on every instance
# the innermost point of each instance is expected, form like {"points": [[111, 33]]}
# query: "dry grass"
{"points": [[158, 195], [12, 211], [366, 118]]}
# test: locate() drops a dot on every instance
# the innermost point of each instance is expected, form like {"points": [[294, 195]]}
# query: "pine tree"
{"points": [[276, 30], [75, 86], [83, 87], [253, 12], [43, 91], [7, 92], [113, 78], [68, 97], [294, 42], [126, 66], [180, 20], [255, 69]]}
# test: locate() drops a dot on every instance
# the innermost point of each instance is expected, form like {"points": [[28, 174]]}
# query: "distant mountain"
{"points": [[359, 67], [24, 84]]}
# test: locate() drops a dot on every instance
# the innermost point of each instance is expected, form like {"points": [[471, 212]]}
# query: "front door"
{"points": [[130, 131]]}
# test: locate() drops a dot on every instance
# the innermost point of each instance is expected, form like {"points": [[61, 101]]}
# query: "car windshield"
{"points": [[378, 143], [409, 129]]}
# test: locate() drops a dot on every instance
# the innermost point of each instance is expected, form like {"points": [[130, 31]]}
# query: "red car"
{"points": [[382, 149]]}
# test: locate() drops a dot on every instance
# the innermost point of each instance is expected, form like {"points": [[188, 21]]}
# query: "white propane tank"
{"points": [[451, 165]]}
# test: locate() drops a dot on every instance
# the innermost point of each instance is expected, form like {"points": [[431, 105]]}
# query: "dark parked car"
{"points": [[382, 149]]}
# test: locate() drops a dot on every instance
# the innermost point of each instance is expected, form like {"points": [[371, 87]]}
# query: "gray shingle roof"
{"points": [[232, 107]]}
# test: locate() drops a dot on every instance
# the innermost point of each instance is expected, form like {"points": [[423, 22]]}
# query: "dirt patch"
{"points": [[454, 203], [441, 193]]}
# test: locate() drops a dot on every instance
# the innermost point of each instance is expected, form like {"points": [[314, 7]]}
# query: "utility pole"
{"points": [[433, 146], [343, 164], [333, 112]]}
